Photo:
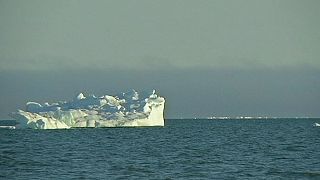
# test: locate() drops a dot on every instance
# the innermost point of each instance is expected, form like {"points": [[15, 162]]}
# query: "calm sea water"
{"points": [[183, 149]]}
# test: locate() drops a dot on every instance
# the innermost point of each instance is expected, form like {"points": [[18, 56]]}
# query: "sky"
{"points": [[206, 57]]}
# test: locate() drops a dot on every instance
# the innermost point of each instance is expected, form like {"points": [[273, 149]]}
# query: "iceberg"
{"points": [[129, 109]]}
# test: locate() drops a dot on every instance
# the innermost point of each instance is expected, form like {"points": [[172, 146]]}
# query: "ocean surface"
{"points": [[183, 149]]}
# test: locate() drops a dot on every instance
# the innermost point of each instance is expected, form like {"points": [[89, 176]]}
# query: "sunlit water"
{"points": [[183, 149]]}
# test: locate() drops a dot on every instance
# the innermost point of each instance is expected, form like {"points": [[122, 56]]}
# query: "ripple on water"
{"points": [[183, 149]]}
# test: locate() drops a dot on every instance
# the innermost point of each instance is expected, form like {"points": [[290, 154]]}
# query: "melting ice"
{"points": [[123, 110]]}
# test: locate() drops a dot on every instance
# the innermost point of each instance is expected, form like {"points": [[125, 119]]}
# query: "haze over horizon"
{"points": [[206, 57]]}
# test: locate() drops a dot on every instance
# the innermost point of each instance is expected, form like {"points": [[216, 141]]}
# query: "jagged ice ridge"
{"points": [[124, 110]]}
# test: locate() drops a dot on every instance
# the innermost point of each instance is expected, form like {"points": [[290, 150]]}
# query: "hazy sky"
{"points": [[207, 57]]}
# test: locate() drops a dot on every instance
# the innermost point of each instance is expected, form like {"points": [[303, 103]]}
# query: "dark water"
{"points": [[183, 149]]}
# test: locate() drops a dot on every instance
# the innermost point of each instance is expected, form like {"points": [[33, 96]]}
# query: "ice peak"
{"points": [[80, 96], [153, 95]]}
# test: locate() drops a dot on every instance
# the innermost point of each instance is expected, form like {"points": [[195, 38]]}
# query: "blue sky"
{"points": [[208, 57]]}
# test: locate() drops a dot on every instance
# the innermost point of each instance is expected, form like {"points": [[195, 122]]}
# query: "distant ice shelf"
{"points": [[129, 109]]}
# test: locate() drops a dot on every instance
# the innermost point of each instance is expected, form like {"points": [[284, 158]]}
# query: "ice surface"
{"points": [[124, 110]]}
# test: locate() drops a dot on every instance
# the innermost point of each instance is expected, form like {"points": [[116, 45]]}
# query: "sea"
{"points": [[182, 149]]}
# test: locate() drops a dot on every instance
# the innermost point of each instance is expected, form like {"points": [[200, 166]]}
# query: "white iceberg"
{"points": [[124, 110]]}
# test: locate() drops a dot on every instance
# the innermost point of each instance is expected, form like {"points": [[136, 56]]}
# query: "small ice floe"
{"points": [[316, 124], [7, 127]]}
